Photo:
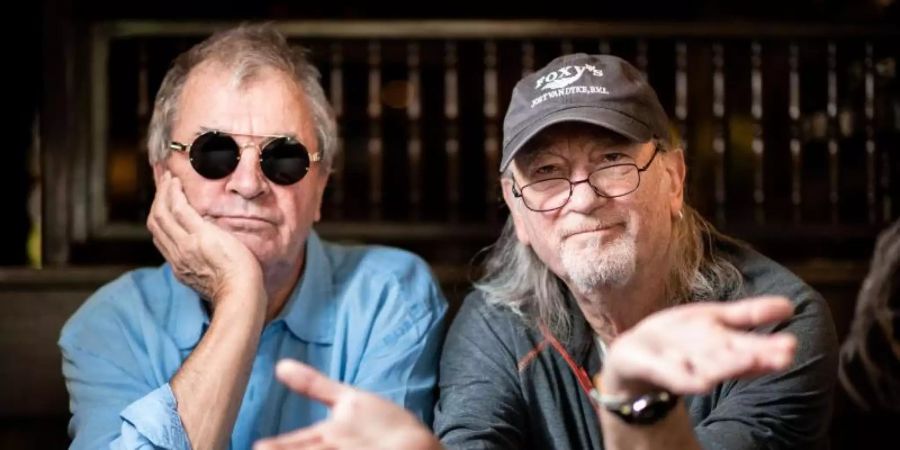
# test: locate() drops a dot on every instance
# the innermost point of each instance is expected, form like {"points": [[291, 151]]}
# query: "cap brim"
{"points": [[606, 118]]}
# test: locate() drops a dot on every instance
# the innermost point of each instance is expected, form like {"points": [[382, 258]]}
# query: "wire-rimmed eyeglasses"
{"points": [[609, 181]]}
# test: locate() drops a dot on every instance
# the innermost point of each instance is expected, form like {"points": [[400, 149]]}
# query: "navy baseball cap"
{"points": [[602, 90]]}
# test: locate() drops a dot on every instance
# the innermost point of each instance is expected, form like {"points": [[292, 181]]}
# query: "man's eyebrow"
{"points": [[531, 153], [537, 146]]}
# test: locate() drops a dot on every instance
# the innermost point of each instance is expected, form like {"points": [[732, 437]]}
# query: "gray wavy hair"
{"points": [[516, 278], [245, 50]]}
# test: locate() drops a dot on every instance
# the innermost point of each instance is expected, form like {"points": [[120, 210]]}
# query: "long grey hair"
{"points": [[516, 278]]}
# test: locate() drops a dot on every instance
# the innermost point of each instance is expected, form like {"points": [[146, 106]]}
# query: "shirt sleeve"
{"points": [[480, 405], [400, 361], [784, 410], [113, 409]]}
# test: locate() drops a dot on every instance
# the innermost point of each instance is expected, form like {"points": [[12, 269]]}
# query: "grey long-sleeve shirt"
{"points": [[502, 386]]}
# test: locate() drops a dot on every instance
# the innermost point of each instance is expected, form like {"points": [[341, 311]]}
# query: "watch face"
{"points": [[644, 410], [649, 410]]}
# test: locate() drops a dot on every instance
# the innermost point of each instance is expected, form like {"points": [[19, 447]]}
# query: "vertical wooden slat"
{"points": [[58, 105], [886, 205], [719, 129], [870, 135], [527, 58], [642, 59], [143, 86], [832, 113], [451, 119], [681, 92], [758, 145], [887, 213], [143, 112], [413, 115], [376, 156], [794, 115], [604, 47], [337, 103], [492, 131], [96, 171]]}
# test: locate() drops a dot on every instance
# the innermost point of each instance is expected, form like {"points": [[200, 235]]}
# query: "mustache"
{"points": [[590, 225]]}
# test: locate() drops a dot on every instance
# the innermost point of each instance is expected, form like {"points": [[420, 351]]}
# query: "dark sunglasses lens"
{"points": [[285, 161], [214, 155]]}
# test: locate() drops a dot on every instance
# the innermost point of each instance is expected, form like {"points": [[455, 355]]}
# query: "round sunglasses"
{"points": [[215, 155]]}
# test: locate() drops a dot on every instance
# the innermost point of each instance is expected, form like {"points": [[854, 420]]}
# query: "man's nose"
{"points": [[248, 180], [585, 196]]}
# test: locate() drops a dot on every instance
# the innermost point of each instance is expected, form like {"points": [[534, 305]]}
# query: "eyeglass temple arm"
{"points": [[178, 146], [652, 157], [515, 190]]}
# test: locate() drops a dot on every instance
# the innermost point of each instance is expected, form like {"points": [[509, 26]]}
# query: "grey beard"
{"points": [[594, 265]]}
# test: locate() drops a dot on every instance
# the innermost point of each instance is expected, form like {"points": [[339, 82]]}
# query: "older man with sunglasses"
{"points": [[182, 356], [610, 315]]}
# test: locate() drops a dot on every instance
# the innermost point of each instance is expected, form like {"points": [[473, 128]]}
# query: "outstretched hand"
{"points": [[358, 419], [689, 349]]}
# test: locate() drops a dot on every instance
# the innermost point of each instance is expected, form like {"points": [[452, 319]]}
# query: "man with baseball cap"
{"points": [[611, 314]]}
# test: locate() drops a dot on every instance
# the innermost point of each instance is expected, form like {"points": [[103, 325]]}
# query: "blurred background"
{"points": [[789, 113]]}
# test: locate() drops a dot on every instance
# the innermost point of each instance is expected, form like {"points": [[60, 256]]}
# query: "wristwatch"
{"points": [[642, 410]]}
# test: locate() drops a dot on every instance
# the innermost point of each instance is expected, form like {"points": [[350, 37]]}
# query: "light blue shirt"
{"points": [[367, 316]]}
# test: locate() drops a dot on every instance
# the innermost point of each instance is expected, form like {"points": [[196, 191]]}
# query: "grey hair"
{"points": [[245, 50], [514, 276]]}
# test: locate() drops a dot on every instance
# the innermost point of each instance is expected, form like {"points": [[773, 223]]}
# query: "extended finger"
{"points": [[720, 361], [162, 212], [186, 216], [163, 247], [305, 380], [161, 239], [769, 352], [754, 312]]}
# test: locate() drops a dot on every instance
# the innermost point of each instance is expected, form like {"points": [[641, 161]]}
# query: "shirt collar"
{"points": [[310, 310]]}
